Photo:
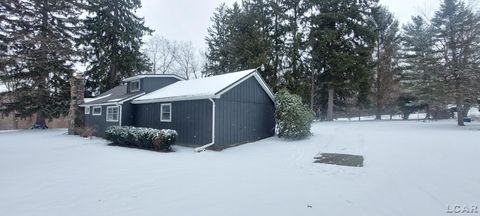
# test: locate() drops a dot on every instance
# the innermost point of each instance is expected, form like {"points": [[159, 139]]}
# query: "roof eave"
{"points": [[113, 102], [172, 99], [152, 75]]}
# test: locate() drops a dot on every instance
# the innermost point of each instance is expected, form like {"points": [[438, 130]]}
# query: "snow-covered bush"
{"points": [[292, 116], [163, 140], [140, 137]]}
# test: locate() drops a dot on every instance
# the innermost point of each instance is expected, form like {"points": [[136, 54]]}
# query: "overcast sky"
{"points": [[188, 20]]}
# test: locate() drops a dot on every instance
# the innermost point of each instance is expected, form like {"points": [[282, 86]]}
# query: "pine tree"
{"points": [[456, 31], [295, 76], [39, 40], [217, 39], [341, 39], [387, 45], [277, 40], [112, 43], [240, 39], [421, 71]]}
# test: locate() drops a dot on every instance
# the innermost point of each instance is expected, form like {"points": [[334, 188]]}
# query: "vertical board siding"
{"points": [[149, 84], [127, 114], [191, 119], [99, 123], [243, 114]]}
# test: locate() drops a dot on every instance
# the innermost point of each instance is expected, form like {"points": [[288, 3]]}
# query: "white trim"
{"points": [[87, 110], [161, 112], [88, 100], [254, 73], [118, 113], [93, 110], [171, 99], [259, 80], [114, 103], [135, 81], [152, 75], [202, 148]]}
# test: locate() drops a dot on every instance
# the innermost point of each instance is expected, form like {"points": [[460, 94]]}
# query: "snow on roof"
{"points": [[88, 100], [152, 75], [198, 88], [3, 88]]}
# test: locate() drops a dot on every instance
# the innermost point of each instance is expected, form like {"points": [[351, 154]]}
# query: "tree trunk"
{"points": [[330, 105], [466, 109], [42, 82], [378, 105], [428, 112], [112, 73], [312, 90], [40, 119], [460, 110]]}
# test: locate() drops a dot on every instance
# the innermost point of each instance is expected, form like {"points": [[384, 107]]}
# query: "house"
{"points": [[223, 110], [12, 120]]}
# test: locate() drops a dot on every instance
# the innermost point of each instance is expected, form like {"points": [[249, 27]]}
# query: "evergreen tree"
{"points": [[277, 40], [456, 31], [39, 37], [387, 45], [341, 39], [421, 71], [217, 40], [295, 75], [112, 43], [240, 39]]}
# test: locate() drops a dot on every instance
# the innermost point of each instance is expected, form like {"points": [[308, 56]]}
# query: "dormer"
{"points": [[149, 82]]}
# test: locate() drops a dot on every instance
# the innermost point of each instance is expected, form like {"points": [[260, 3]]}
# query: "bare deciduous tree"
{"points": [[162, 53], [187, 64]]}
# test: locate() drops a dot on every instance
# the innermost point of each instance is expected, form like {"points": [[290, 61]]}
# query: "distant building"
{"points": [[11, 120]]}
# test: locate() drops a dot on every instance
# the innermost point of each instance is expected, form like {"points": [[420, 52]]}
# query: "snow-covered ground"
{"points": [[473, 113], [411, 168]]}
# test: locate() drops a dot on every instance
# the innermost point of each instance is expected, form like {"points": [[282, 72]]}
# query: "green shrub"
{"points": [[293, 118], [163, 140], [141, 137]]}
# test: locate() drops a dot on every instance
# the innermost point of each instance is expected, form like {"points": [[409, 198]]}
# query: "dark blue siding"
{"points": [[191, 119], [99, 123], [127, 114], [245, 113], [149, 84]]}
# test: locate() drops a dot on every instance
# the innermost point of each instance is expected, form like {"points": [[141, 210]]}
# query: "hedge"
{"points": [[147, 138]]}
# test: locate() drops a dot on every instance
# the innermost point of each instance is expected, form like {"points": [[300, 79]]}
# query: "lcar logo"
{"points": [[462, 209]]}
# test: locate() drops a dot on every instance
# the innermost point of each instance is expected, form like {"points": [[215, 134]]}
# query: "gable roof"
{"points": [[116, 95], [152, 75], [209, 87]]}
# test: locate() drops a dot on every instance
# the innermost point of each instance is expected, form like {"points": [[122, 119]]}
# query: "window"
{"points": [[112, 113], [135, 85], [97, 111], [87, 110], [166, 112]]}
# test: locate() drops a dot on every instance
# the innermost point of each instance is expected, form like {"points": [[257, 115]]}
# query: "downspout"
{"points": [[202, 148], [120, 113]]}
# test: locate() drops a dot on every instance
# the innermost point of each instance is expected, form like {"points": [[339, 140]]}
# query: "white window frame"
{"points": [[118, 114], [87, 110], [93, 110], [161, 112], [137, 89]]}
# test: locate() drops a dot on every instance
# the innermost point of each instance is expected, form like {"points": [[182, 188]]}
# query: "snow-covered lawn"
{"points": [[411, 168]]}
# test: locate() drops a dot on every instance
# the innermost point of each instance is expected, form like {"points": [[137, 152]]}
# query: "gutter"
{"points": [[204, 147]]}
